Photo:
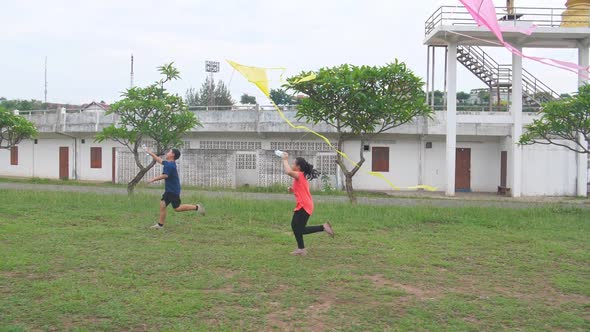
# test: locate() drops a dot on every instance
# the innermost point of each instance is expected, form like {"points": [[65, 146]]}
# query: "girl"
{"points": [[301, 172]]}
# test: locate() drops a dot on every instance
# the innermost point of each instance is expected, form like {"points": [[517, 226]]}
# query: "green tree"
{"points": [[210, 94], [565, 95], [191, 97], [281, 97], [248, 100], [543, 97], [562, 123], [484, 96], [149, 113], [359, 103], [14, 129], [438, 97], [22, 105], [462, 97]]}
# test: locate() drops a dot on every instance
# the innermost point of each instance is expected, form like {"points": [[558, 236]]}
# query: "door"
{"points": [[463, 169], [114, 160], [64, 162], [503, 168]]}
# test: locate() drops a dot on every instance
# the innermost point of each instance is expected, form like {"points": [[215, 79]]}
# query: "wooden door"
{"points": [[64, 162], [463, 169], [503, 168], [380, 158], [114, 162]]}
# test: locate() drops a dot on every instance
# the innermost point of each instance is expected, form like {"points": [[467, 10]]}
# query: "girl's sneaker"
{"points": [[328, 229], [299, 252]]}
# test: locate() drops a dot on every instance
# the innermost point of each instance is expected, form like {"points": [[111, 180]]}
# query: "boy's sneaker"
{"points": [[200, 209], [157, 226]]}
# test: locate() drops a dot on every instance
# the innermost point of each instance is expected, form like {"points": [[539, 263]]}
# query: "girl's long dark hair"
{"points": [[307, 169]]}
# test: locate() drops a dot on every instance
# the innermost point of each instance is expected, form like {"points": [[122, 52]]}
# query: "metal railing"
{"points": [[479, 58], [499, 77], [241, 108], [50, 111], [542, 17], [235, 108], [467, 108]]}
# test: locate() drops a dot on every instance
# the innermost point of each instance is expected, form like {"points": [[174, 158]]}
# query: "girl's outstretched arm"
{"points": [[288, 170]]}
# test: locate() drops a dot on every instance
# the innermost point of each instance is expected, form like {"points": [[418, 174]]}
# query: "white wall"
{"points": [[485, 163], [435, 167], [37, 160], [85, 172], [25, 160], [403, 163], [46, 156], [548, 171]]}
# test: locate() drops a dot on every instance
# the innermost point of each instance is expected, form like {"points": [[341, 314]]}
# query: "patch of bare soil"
{"points": [[418, 292]]}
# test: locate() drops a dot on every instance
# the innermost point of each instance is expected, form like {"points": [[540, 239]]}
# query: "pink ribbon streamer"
{"points": [[484, 14]]}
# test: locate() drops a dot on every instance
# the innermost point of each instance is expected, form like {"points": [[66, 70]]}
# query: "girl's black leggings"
{"points": [[299, 226]]}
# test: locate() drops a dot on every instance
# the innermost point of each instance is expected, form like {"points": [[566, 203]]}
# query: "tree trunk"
{"points": [[131, 185], [349, 174], [349, 189]]}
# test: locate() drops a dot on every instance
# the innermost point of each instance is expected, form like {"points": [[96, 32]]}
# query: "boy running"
{"points": [[172, 191]]}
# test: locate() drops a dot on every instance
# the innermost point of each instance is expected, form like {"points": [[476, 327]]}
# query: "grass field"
{"points": [[72, 261], [276, 189]]}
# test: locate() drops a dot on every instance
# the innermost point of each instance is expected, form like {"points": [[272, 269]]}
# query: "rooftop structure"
{"points": [[454, 29]]}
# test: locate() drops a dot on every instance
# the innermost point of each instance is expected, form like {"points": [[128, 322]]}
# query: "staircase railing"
{"points": [[481, 64], [499, 77]]}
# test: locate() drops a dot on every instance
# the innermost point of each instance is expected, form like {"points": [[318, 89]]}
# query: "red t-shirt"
{"points": [[302, 194]]}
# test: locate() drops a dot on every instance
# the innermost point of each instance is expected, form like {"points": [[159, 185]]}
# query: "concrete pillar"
{"points": [[582, 158], [451, 117], [516, 109]]}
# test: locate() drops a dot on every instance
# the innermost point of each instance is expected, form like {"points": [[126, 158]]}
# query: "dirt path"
{"points": [[483, 201]]}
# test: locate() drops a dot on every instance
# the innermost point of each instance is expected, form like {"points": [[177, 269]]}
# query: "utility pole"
{"points": [[45, 80], [131, 76]]}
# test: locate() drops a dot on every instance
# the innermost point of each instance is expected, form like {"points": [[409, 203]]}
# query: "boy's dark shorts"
{"points": [[171, 198]]}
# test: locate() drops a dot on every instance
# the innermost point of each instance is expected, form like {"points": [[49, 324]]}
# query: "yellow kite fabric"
{"points": [[254, 75], [258, 77]]}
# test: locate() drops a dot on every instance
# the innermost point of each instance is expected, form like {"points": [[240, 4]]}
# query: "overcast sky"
{"points": [[89, 43]]}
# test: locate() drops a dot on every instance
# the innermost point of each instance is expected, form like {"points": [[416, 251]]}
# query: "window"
{"points": [[246, 161], [95, 157], [380, 159], [14, 155]]}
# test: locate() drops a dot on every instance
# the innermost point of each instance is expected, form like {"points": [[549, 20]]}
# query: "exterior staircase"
{"points": [[499, 77]]}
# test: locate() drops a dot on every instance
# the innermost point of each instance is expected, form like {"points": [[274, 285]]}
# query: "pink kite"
{"points": [[484, 14]]}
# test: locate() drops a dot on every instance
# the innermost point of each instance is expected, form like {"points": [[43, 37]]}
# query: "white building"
{"points": [[235, 148], [475, 97], [454, 151]]}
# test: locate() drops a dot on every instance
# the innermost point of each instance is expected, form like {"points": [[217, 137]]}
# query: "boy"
{"points": [[172, 191]]}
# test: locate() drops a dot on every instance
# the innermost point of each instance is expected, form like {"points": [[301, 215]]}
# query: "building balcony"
{"points": [[555, 27], [265, 121]]}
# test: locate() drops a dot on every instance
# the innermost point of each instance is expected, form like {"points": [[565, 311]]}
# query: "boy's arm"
{"points": [[158, 178], [153, 155], [288, 170]]}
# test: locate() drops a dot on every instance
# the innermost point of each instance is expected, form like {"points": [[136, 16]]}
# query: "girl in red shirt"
{"points": [[301, 172]]}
